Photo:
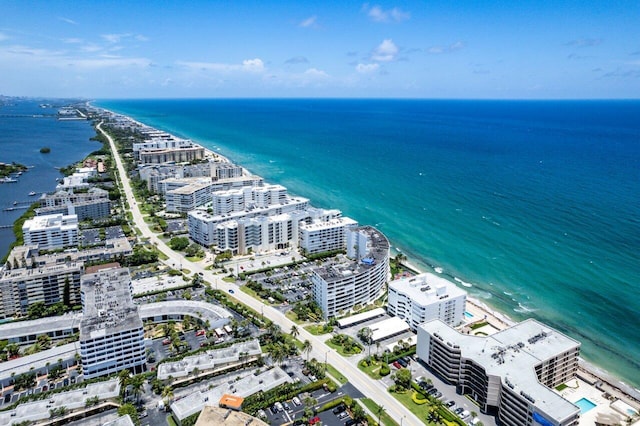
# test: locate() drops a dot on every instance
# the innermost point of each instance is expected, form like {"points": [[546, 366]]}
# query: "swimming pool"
{"points": [[585, 405], [468, 314]]}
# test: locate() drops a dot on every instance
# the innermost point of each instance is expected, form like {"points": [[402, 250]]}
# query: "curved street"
{"points": [[373, 389]]}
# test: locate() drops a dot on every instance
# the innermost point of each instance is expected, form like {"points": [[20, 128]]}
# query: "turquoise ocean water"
{"points": [[532, 206]]}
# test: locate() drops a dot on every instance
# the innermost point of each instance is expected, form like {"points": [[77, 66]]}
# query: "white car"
{"points": [[465, 414]]}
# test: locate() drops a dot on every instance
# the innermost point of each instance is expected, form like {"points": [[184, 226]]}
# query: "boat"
{"points": [[32, 193], [8, 180], [15, 203]]}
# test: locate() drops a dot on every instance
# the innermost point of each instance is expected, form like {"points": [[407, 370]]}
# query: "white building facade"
{"points": [[111, 331], [51, 231], [325, 232], [357, 280], [510, 374], [425, 297]]}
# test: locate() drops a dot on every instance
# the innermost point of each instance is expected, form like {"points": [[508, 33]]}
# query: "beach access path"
{"points": [[373, 389]]}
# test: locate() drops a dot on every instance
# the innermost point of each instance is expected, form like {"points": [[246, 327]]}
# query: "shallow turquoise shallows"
{"points": [[531, 206]]}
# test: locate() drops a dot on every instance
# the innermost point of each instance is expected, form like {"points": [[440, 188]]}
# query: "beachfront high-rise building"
{"points": [[51, 231], [510, 373], [188, 197], [203, 226], [324, 231], [257, 234], [425, 297], [357, 279], [111, 331], [23, 283]]}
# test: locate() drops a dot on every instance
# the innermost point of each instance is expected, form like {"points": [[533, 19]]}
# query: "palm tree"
{"points": [[137, 384], [123, 379], [379, 412], [167, 395], [294, 331], [307, 347], [277, 354]]}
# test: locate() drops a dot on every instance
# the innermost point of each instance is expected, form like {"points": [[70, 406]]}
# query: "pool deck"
{"points": [[578, 389]]}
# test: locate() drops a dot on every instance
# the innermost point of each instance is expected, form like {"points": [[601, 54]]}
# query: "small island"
{"points": [[7, 169], [45, 150]]}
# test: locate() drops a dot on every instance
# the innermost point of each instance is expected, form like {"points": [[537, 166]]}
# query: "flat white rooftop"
{"points": [[426, 288], [512, 354], [387, 328], [245, 387], [358, 318]]}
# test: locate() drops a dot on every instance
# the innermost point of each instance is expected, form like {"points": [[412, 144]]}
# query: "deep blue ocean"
{"points": [[532, 205], [25, 127]]}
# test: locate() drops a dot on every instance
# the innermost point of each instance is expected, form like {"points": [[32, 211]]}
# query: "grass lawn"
{"points": [[316, 329], [340, 348], [373, 370], [385, 419], [194, 258], [336, 374], [170, 420], [162, 256], [419, 410], [293, 317], [229, 280]]}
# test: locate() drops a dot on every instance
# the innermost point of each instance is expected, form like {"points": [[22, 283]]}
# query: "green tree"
{"points": [[66, 293], [307, 348], [44, 341], [167, 395], [131, 411], [137, 386], [294, 331], [123, 379], [403, 378]]}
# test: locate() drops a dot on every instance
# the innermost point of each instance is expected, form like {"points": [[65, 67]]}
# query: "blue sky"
{"points": [[417, 49]]}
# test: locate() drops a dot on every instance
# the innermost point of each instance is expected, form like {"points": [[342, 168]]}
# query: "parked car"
{"points": [[402, 362], [166, 342], [296, 401], [465, 414], [314, 420], [286, 406], [397, 365], [425, 386], [200, 333], [339, 409], [450, 404], [458, 410]]}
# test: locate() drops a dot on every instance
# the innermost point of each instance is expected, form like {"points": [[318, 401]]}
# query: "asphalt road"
{"points": [[373, 389]]}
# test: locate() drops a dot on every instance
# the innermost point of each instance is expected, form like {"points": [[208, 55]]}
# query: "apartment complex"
{"points": [[357, 279], [326, 231], [93, 204], [51, 231], [204, 226], [188, 197], [111, 331], [425, 297], [510, 374], [27, 284]]}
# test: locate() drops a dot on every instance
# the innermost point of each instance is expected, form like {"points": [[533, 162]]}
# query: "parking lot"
{"points": [[113, 232], [90, 237], [292, 410], [176, 226]]}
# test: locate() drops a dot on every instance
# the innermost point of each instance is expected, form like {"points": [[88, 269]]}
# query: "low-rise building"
{"points": [[510, 374], [51, 231], [426, 297], [111, 331], [358, 279]]}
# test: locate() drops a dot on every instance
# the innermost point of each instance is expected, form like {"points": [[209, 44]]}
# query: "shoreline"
{"points": [[501, 320]]}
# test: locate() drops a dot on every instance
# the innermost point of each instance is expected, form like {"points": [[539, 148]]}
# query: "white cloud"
{"points": [[310, 22], [4, 37], [248, 65], [72, 40], [315, 73], [91, 48], [436, 50], [114, 38], [24, 56], [367, 68], [68, 21], [378, 14], [140, 37], [387, 51], [253, 65]]}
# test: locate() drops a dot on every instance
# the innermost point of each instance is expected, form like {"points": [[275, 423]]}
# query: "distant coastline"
{"points": [[499, 318]]}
